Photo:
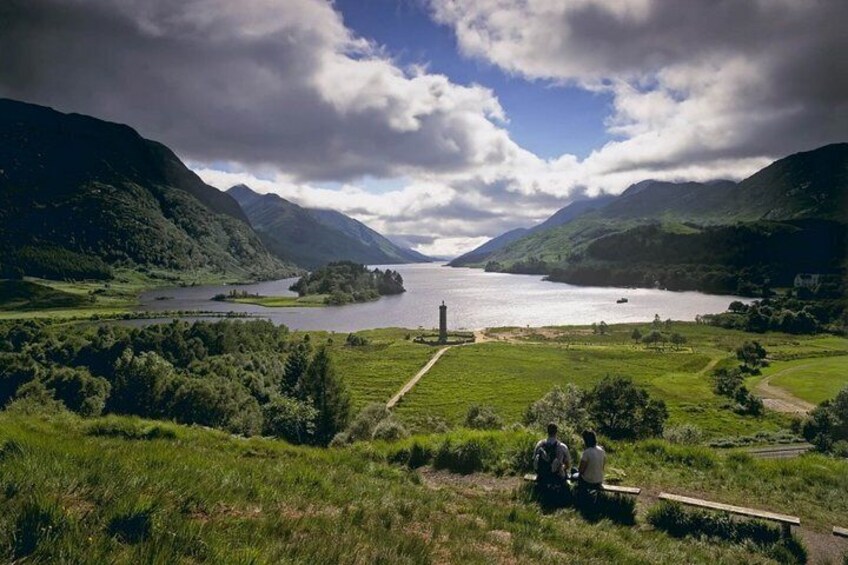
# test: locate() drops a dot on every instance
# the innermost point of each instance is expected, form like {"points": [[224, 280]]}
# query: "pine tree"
{"points": [[326, 391], [296, 364]]}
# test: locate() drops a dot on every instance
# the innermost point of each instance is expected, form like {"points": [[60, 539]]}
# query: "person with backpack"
{"points": [[551, 458]]}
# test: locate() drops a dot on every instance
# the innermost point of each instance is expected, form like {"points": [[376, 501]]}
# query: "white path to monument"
{"points": [[411, 383]]}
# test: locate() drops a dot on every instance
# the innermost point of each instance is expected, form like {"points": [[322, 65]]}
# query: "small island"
{"points": [[333, 285], [346, 282]]}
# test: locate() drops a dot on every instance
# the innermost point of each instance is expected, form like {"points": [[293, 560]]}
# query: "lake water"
{"points": [[475, 300]]}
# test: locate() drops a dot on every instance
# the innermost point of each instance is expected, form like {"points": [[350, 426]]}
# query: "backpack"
{"points": [[543, 468]]}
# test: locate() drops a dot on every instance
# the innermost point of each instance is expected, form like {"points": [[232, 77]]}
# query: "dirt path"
{"points": [[780, 400], [414, 380]]}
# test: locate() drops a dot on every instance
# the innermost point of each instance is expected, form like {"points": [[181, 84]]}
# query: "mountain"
{"points": [[719, 236], [360, 232], [79, 195], [312, 238], [561, 217]]}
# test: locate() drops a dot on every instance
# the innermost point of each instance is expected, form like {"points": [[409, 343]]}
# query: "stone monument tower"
{"points": [[443, 323]]}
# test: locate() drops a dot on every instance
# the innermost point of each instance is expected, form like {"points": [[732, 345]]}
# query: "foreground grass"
{"points": [[125, 490]]}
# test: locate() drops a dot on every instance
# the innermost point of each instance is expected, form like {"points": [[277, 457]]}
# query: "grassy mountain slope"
{"points": [[561, 217], [792, 213], [312, 238], [78, 190], [360, 232]]}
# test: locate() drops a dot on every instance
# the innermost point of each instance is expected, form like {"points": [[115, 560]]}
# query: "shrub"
{"points": [[78, 390], [686, 434], [289, 419], [727, 381], [679, 522], [390, 430], [827, 423], [483, 418], [564, 406], [129, 429], [355, 340], [620, 409], [217, 403], [363, 425], [140, 382], [464, 457]]}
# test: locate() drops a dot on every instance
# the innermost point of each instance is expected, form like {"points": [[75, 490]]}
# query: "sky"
{"points": [[444, 122]]}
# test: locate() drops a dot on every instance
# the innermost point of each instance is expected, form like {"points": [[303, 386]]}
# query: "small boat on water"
{"points": [[621, 301]]}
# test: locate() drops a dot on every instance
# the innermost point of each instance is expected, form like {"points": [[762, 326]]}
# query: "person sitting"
{"points": [[592, 461], [551, 458]]}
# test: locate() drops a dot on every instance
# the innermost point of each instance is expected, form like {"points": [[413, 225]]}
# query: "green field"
{"points": [[77, 490], [309, 301], [812, 379], [510, 376]]}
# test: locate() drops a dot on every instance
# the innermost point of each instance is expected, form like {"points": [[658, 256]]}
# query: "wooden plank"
{"points": [[622, 490], [840, 532], [740, 510]]}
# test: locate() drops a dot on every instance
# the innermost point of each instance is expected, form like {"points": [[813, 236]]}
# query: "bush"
{"points": [[620, 409], [483, 418], [140, 383], [464, 457], [362, 427], [673, 519], [289, 419], [390, 430], [686, 434], [326, 391], [827, 424], [129, 429], [564, 406], [78, 390], [217, 403]]}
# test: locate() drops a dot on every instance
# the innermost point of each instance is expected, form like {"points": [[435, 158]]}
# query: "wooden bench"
{"points": [[840, 532], [784, 520], [634, 491]]}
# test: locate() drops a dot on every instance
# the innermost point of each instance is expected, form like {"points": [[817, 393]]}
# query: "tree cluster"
{"points": [[826, 427], [244, 377], [345, 282], [615, 406]]}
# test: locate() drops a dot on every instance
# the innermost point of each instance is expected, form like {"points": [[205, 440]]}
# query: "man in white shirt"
{"points": [[592, 462], [551, 458]]}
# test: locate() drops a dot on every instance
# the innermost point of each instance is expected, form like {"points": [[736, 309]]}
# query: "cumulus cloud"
{"points": [[262, 82], [281, 95], [719, 84]]}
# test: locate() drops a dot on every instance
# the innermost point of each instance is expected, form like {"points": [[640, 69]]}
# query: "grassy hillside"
{"points": [[79, 195], [717, 237], [313, 238], [127, 490], [27, 295]]}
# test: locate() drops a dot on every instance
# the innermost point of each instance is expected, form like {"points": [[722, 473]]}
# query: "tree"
{"points": [[677, 340], [603, 328], [657, 323], [326, 392], [620, 409], [653, 338], [636, 335], [296, 364], [564, 406], [752, 355], [727, 381], [737, 307], [827, 423], [289, 419], [140, 384], [78, 390]]}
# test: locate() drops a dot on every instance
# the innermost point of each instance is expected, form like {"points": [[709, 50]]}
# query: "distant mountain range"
{"points": [[80, 196], [314, 237], [720, 236]]}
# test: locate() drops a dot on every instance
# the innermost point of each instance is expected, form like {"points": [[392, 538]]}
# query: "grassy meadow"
{"points": [[511, 375], [119, 489], [812, 379]]}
